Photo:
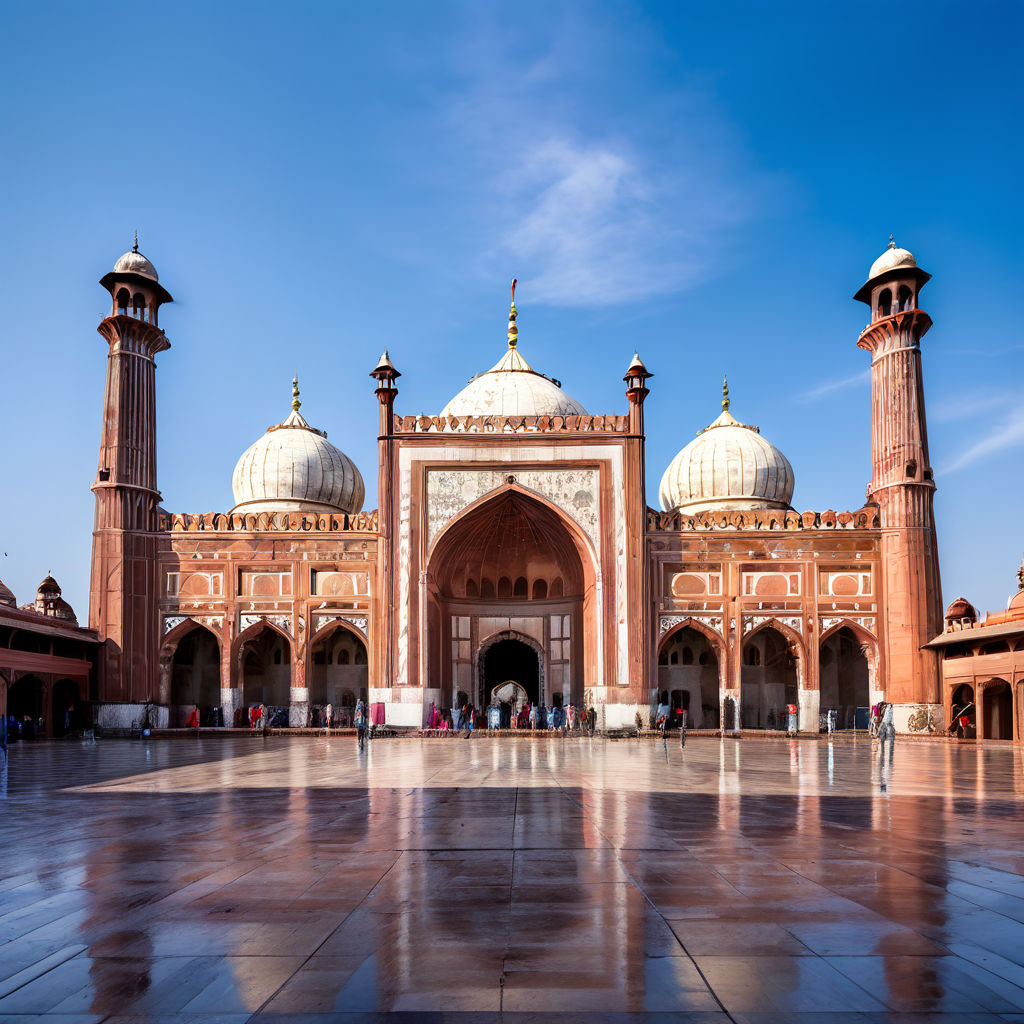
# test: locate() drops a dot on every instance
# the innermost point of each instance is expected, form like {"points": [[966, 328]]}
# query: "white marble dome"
{"points": [[293, 468], [133, 262], [728, 465], [512, 388], [894, 258]]}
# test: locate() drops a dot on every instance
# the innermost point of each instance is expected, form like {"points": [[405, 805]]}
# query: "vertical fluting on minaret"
{"points": [[902, 483]]}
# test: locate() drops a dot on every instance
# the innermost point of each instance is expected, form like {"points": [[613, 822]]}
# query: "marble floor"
{"points": [[296, 879]]}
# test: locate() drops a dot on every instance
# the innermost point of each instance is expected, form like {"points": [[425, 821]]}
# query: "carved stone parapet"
{"points": [[510, 424], [760, 519], [260, 522]]}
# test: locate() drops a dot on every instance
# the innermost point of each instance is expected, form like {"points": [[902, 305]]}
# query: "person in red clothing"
{"points": [[193, 719]]}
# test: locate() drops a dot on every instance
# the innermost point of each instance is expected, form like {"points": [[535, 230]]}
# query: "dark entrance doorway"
{"points": [[513, 660], [66, 713]]}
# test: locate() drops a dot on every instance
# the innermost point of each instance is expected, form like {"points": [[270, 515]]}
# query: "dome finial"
{"points": [[135, 247], [513, 331], [892, 241], [295, 393], [725, 394]]}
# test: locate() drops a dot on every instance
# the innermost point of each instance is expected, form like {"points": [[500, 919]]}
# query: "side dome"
{"points": [[7, 597], [728, 465], [961, 608], [512, 387], [293, 468]]}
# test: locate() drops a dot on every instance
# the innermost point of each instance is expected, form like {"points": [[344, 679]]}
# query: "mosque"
{"points": [[513, 544]]}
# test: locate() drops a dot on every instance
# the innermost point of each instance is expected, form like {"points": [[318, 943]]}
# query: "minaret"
{"points": [[641, 661], [383, 665], [901, 481], [124, 590]]}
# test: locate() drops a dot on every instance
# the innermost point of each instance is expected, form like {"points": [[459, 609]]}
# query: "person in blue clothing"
{"points": [[359, 720]]}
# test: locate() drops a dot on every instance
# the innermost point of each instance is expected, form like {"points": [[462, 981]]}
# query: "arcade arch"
{"points": [[338, 671], [768, 682], [996, 710], [264, 659], [845, 675], [689, 672], [194, 671]]}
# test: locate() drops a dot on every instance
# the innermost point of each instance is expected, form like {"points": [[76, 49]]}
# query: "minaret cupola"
{"points": [[893, 283], [135, 287]]}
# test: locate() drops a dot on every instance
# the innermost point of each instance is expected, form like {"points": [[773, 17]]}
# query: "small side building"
{"points": [[982, 667], [47, 661]]}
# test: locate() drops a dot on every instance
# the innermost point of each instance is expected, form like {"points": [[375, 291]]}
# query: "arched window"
{"points": [[687, 656], [540, 590], [504, 587], [753, 656], [138, 305], [663, 658], [124, 300], [520, 587], [487, 587], [884, 302], [343, 656], [904, 298], [472, 590], [556, 589], [673, 658], [703, 659]]}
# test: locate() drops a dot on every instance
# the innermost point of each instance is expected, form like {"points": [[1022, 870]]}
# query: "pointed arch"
{"points": [[712, 635]]}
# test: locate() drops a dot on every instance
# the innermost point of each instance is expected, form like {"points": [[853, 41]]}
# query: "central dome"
{"points": [[728, 465], [293, 468], [513, 388]]}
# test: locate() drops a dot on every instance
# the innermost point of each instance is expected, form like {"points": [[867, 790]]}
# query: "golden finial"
{"points": [[892, 242], [135, 247], [725, 394], [513, 331], [295, 393]]}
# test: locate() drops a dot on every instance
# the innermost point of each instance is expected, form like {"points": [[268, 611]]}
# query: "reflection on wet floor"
{"points": [[226, 879]]}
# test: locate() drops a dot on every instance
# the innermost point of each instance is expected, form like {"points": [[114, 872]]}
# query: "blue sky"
{"points": [[705, 183]]}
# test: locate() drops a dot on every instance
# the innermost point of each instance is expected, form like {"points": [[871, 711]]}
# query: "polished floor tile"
{"points": [[295, 879]]}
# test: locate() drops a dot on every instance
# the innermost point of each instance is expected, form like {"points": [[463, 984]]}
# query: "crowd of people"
{"points": [[500, 716]]}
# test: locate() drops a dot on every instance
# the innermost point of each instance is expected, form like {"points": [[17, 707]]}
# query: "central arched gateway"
{"points": [[511, 593]]}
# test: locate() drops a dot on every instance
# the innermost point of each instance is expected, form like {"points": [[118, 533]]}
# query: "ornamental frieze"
{"points": [[575, 491], [173, 621], [751, 622], [667, 622], [245, 620], [864, 621]]}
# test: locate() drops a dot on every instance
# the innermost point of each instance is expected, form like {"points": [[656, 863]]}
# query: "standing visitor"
{"points": [[193, 719], [791, 719], [873, 720], [360, 723], [886, 731], [830, 720], [467, 717], [533, 716], [684, 719]]}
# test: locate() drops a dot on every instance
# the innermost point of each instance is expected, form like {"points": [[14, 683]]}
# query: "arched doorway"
{"points": [[962, 705], [997, 701], [512, 563], [66, 712], [688, 677], [768, 679], [339, 672], [510, 661], [265, 665], [845, 679], [195, 676], [25, 701]]}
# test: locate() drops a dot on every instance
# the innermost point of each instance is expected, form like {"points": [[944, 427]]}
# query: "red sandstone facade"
{"points": [[513, 541]]}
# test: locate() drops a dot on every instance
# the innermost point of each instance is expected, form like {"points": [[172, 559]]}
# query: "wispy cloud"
{"points": [[1008, 433], [837, 385], [973, 403], [593, 212]]}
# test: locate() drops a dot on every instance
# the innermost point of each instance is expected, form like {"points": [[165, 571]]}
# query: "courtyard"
{"points": [[295, 878]]}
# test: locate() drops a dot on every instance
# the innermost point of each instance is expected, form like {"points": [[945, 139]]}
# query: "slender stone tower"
{"points": [[123, 591], [901, 483]]}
